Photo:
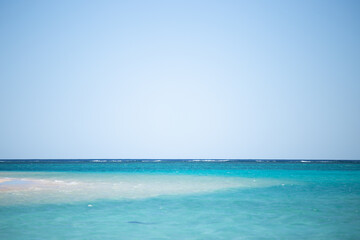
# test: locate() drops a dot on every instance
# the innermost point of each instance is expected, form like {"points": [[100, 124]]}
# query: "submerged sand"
{"points": [[57, 188]]}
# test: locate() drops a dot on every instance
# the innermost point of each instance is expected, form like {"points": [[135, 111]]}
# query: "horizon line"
{"points": [[289, 159]]}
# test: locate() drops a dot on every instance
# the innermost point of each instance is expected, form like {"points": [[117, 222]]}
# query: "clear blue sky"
{"points": [[180, 79]]}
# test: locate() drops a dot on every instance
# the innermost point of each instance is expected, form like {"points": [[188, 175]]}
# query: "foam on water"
{"points": [[41, 188]]}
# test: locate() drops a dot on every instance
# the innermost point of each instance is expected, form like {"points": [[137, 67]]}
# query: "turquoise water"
{"points": [[179, 200]]}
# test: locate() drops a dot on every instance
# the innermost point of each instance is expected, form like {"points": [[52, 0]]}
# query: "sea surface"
{"points": [[179, 199]]}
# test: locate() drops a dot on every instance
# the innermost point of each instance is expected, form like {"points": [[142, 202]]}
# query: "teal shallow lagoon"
{"points": [[185, 199]]}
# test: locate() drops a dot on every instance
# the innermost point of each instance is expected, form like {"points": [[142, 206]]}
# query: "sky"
{"points": [[180, 79]]}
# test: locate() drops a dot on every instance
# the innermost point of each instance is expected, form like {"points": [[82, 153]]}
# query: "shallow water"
{"points": [[179, 200]]}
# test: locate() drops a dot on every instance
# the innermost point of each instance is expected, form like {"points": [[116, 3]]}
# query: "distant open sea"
{"points": [[179, 199]]}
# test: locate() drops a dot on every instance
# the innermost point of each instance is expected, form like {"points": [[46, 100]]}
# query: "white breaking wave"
{"points": [[210, 160]]}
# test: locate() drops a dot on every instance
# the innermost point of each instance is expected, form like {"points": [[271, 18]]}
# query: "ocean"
{"points": [[179, 199]]}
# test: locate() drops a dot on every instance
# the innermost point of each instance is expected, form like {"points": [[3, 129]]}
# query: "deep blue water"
{"points": [[184, 199]]}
